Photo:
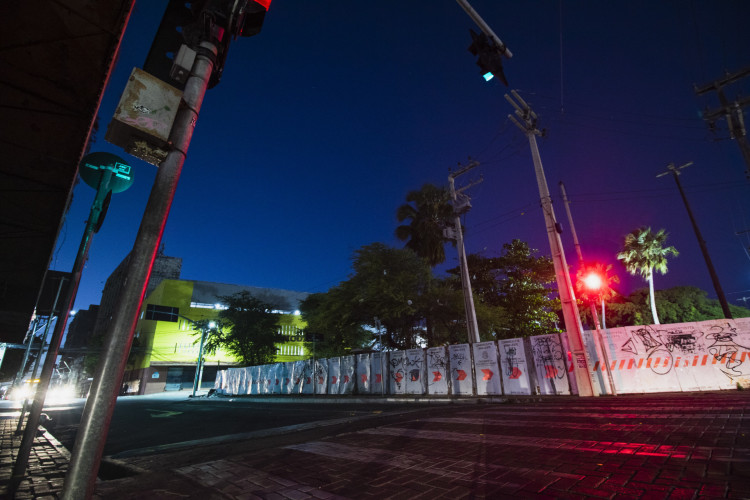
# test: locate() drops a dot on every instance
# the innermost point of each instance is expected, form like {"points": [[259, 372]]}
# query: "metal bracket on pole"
{"points": [[485, 27]]}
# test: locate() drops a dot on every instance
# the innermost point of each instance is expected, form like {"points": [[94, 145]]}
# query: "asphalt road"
{"points": [[144, 424]]}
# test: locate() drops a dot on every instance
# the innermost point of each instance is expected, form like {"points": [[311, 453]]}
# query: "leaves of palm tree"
{"points": [[428, 211]]}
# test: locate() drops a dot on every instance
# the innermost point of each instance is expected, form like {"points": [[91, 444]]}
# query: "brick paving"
{"points": [[672, 446], [48, 462]]}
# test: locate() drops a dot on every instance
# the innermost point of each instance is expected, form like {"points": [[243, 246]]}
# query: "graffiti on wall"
{"points": [[547, 352], [726, 351]]}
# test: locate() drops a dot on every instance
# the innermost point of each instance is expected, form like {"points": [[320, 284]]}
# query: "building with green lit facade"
{"points": [[165, 352]]}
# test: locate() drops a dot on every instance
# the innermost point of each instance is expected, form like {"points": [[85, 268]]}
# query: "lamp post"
{"points": [[204, 329]]}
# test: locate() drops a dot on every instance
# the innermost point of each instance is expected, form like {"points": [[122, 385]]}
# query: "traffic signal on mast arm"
{"points": [[489, 56]]}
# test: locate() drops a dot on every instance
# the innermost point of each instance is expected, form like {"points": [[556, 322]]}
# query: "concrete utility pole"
{"points": [[581, 363], [675, 171], [92, 433], [461, 205], [731, 111], [599, 341]]}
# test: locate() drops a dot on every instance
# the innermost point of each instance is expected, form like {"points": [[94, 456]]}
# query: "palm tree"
{"points": [[643, 253], [430, 213]]}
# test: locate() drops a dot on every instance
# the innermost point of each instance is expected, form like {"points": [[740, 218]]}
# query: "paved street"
{"points": [[653, 446], [693, 445]]}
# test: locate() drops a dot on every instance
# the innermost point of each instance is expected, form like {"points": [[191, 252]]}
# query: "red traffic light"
{"points": [[593, 281]]}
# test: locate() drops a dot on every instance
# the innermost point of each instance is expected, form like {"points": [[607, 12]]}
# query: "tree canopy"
{"points": [[520, 284], [428, 211], [246, 328], [643, 253]]}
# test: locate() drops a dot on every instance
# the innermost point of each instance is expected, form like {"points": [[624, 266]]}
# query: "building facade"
{"points": [[166, 344]]}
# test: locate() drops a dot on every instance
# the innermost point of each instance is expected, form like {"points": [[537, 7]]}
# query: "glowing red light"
{"points": [[593, 281]]}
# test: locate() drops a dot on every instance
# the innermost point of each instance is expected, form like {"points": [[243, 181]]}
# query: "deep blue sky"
{"points": [[323, 122]]}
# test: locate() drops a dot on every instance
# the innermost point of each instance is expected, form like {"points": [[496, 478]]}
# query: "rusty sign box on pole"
{"points": [[144, 116]]}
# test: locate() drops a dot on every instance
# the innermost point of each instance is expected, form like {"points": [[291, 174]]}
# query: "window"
{"points": [[162, 313]]}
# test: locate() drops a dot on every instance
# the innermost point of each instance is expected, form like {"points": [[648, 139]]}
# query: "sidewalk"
{"points": [[655, 446], [48, 462]]}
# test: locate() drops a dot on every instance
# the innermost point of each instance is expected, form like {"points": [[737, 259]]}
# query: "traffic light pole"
{"points": [[92, 432], [599, 340], [571, 316], [484, 27]]}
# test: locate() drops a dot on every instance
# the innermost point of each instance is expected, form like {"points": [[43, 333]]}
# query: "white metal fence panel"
{"points": [[514, 368], [378, 372], [550, 361], [397, 372], [487, 369], [437, 371], [348, 375], [462, 378], [363, 373], [415, 371]]}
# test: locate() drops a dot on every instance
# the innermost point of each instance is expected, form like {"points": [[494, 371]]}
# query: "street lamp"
{"points": [[204, 328], [199, 367]]}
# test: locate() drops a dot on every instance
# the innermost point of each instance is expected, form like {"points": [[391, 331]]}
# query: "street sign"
{"points": [[93, 165]]}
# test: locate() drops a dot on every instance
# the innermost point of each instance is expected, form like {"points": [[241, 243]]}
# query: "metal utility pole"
{"points": [[92, 432], [581, 363], [675, 171], [732, 112], [599, 341], [461, 205], [32, 424]]}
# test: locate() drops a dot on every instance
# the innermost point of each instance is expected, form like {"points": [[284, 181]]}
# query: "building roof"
{"points": [[207, 292]]}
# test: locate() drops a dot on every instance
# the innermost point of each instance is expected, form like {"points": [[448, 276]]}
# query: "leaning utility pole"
{"points": [[599, 340], [581, 363], [461, 205], [675, 171], [92, 432], [732, 112]]}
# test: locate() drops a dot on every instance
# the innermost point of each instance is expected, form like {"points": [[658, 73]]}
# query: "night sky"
{"points": [[323, 122]]}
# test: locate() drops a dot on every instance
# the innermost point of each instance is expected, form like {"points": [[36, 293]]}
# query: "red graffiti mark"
{"points": [[364, 378], [321, 380], [346, 379], [487, 374], [515, 373], [277, 382], [551, 371], [399, 377], [461, 375], [286, 381], [378, 378], [333, 379], [438, 376], [309, 380]]}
